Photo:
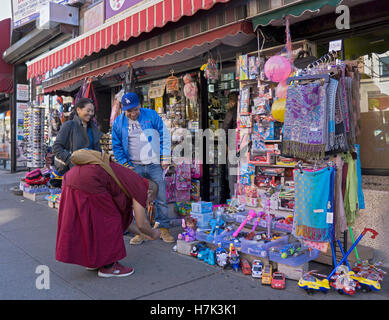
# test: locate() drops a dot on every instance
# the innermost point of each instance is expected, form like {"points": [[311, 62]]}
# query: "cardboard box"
{"points": [[184, 247], [292, 273]]}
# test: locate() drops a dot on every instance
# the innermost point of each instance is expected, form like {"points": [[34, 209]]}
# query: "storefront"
{"points": [[302, 127]]}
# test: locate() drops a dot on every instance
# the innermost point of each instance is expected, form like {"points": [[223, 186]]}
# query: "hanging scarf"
{"points": [[305, 125], [331, 101], [340, 144], [361, 197], [314, 201], [351, 193]]}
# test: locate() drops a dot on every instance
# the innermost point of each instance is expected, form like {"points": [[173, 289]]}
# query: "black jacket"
{"points": [[71, 137]]}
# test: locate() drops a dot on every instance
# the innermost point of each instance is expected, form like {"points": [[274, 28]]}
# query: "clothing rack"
{"points": [[330, 56]]}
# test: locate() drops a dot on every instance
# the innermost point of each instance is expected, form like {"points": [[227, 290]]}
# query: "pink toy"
{"points": [[281, 90], [190, 225], [277, 68], [251, 215], [190, 88]]}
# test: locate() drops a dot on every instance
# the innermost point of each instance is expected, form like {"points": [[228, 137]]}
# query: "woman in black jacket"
{"points": [[79, 132]]}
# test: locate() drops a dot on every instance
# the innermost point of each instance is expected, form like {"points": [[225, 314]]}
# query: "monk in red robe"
{"points": [[98, 200]]}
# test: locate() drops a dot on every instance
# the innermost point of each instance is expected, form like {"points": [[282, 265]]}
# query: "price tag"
{"points": [[330, 217], [335, 45]]}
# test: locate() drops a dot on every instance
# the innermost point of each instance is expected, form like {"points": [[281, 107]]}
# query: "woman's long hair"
{"points": [[80, 104]]}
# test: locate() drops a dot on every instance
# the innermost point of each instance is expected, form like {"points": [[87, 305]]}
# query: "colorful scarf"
{"points": [[305, 126], [314, 205], [340, 144], [331, 101]]}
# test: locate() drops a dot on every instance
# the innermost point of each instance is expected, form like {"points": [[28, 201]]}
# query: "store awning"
{"points": [[293, 10], [6, 73], [121, 28], [236, 34]]}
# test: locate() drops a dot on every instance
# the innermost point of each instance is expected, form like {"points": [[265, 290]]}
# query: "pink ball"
{"points": [[277, 68], [281, 90]]}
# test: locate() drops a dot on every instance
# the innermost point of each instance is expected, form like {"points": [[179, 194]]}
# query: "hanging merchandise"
{"points": [[243, 67], [115, 111], [172, 84], [314, 204], [277, 68], [305, 126], [278, 109], [211, 70], [190, 88], [281, 90]]}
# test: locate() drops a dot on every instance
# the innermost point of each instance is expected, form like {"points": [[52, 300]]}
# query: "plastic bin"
{"points": [[202, 207], [202, 219], [308, 255], [260, 249]]}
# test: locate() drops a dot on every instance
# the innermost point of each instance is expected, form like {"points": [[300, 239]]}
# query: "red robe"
{"points": [[94, 212]]}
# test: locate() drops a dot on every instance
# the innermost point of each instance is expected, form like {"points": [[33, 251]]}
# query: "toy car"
{"points": [[368, 281], [278, 280], [267, 274], [311, 284], [256, 269], [246, 269]]}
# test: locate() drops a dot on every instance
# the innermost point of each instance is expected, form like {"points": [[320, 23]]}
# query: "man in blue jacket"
{"points": [[141, 141]]}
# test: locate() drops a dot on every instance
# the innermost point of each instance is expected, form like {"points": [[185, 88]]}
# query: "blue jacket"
{"points": [[152, 126]]}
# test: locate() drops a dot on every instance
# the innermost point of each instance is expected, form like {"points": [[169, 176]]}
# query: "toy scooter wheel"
{"points": [[340, 291]]}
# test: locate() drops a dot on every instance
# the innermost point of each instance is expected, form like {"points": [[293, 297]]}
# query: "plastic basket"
{"points": [[308, 255], [260, 249], [202, 219], [202, 207]]}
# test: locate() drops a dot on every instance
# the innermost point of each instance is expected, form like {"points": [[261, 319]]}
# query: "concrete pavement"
{"points": [[27, 240]]}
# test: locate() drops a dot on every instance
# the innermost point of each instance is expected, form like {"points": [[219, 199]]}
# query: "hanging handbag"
{"points": [[304, 59]]}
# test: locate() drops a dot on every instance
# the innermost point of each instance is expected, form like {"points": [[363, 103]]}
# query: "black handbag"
{"points": [[304, 59]]}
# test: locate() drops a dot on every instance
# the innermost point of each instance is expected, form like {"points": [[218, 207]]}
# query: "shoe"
{"points": [[166, 236], [117, 270], [138, 239], [91, 269]]}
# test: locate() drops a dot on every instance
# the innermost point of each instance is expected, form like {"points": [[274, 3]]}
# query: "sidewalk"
{"points": [[27, 240]]}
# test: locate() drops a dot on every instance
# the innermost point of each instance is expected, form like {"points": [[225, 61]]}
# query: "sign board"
{"points": [[114, 7], [335, 45], [25, 11], [22, 92], [94, 17]]}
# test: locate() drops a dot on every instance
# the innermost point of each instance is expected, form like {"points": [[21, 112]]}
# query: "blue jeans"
{"points": [[154, 172]]}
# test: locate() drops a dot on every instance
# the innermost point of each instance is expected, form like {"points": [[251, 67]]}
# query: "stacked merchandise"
{"points": [[35, 137], [36, 181], [106, 142]]}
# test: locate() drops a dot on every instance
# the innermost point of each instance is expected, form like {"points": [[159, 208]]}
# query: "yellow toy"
{"points": [[267, 274], [311, 284]]}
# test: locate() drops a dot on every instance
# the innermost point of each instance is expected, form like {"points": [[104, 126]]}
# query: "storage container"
{"points": [[202, 207]]}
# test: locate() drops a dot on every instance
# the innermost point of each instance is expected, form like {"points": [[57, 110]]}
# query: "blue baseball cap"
{"points": [[130, 100]]}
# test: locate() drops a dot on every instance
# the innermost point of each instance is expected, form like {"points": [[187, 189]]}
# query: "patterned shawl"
{"points": [[314, 205], [306, 121]]}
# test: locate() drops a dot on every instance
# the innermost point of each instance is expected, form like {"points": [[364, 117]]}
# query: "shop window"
{"points": [[374, 117]]}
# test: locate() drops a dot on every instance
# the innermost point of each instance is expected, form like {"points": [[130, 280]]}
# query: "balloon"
{"points": [[277, 68], [278, 109], [281, 90]]}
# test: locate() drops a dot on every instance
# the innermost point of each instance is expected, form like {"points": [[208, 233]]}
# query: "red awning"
{"points": [[243, 27], [6, 77], [119, 29]]}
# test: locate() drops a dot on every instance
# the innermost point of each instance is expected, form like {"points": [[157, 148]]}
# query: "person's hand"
{"points": [[165, 165]]}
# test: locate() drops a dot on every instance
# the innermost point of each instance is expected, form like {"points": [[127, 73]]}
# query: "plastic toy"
{"points": [[196, 249], [375, 233], [278, 280], [211, 258], [215, 227], [364, 266], [190, 225], [221, 256], [203, 254], [267, 274], [251, 215], [233, 258], [245, 265], [342, 282], [256, 269], [368, 281], [312, 284]]}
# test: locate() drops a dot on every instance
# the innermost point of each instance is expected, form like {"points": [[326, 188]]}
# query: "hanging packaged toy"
{"points": [[195, 191], [196, 169], [253, 67], [211, 71], [183, 177], [243, 67], [170, 188], [244, 102]]}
